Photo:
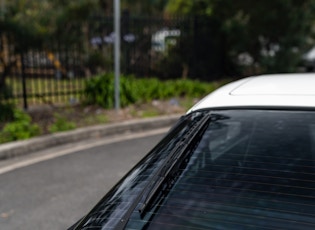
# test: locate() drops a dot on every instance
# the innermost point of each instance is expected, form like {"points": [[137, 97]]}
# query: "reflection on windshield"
{"points": [[253, 169]]}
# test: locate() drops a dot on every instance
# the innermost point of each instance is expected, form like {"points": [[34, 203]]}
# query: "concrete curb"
{"points": [[19, 148]]}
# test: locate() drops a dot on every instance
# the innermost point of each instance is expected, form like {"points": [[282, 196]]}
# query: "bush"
{"points": [[61, 124], [20, 128], [100, 90]]}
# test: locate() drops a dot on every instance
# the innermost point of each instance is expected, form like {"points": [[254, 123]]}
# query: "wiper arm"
{"points": [[174, 160], [171, 165]]}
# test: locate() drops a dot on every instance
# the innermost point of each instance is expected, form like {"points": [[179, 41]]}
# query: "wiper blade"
{"points": [[170, 167]]}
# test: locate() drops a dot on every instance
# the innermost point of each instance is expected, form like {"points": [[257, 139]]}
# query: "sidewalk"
{"points": [[19, 148]]}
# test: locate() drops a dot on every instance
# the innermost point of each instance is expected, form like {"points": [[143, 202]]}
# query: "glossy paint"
{"points": [[278, 90]]}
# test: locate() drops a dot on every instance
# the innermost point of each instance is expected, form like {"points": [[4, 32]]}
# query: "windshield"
{"points": [[109, 211], [249, 169]]}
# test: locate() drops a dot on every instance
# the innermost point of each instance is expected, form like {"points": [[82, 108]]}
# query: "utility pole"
{"points": [[117, 52]]}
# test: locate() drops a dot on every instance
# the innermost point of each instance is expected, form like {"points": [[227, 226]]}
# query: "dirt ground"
{"points": [[46, 115]]}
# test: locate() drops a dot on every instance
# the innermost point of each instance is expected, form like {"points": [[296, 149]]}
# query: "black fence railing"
{"points": [[164, 48], [45, 77]]}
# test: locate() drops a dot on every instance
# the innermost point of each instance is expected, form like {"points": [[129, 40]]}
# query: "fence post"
{"points": [[25, 105]]}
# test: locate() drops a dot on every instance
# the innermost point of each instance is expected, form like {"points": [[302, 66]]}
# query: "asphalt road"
{"points": [[52, 189]]}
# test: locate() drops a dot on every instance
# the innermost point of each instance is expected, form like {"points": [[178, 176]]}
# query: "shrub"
{"points": [[100, 90], [61, 124], [20, 128]]}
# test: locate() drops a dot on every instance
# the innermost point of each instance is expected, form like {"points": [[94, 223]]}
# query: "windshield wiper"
{"points": [[171, 166], [169, 170]]}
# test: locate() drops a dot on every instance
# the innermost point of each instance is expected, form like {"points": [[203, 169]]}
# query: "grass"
{"points": [[47, 91], [93, 120]]}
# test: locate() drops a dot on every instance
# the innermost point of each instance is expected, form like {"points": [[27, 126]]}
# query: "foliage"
{"points": [[100, 90], [61, 124], [196, 7], [6, 108], [272, 34], [5, 91], [95, 119], [6, 112], [31, 24], [95, 61], [147, 7], [20, 128]]}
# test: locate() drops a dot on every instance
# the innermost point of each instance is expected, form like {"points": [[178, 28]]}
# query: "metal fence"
{"points": [[164, 48], [40, 76]]}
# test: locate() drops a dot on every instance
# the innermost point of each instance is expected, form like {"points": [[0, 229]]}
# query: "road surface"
{"points": [[52, 189]]}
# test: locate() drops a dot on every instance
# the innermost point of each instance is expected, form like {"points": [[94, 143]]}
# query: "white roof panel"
{"points": [[279, 90]]}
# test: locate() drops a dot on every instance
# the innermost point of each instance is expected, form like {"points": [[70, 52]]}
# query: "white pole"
{"points": [[117, 52]]}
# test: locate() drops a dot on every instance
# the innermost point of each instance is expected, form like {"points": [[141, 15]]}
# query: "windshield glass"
{"points": [[109, 211], [249, 169]]}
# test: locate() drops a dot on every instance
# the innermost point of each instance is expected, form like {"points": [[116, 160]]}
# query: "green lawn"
{"points": [[62, 91]]}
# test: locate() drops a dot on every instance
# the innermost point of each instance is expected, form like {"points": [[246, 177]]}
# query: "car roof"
{"points": [[274, 90]]}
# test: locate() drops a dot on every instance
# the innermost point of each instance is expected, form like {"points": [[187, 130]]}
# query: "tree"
{"points": [[272, 34], [147, 7], [275, 40], [22, 26], [31, 24], [196, 7]]}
